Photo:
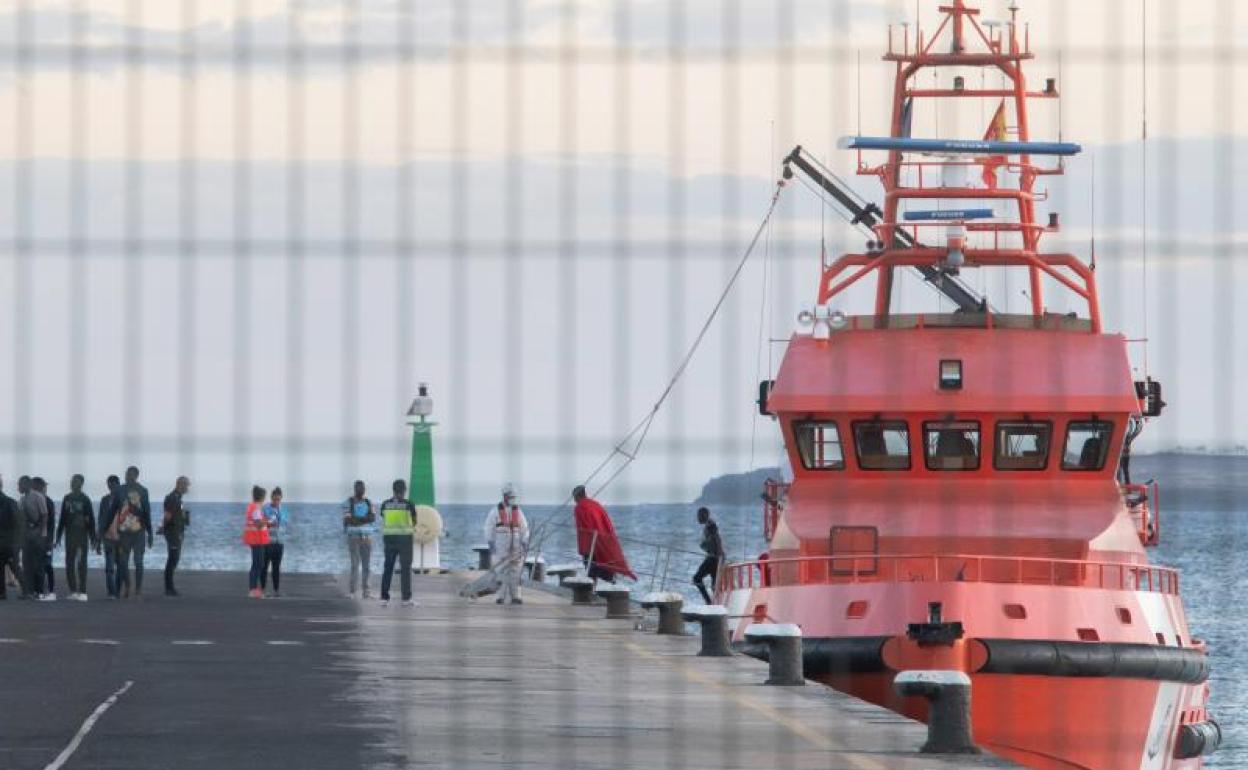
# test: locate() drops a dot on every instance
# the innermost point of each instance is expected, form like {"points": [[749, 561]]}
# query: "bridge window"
{"points": [[882, 446], [952, 446], [1087, 445], [819, 444], [1022, 446]]}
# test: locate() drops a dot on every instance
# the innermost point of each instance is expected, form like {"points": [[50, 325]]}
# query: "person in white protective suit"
{"points": [[507, 532]]}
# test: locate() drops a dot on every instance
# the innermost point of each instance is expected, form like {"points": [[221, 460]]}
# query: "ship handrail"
{"points": [[950, 568]]}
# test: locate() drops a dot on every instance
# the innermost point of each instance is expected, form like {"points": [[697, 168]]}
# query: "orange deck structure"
{"points": [[961, 496]]}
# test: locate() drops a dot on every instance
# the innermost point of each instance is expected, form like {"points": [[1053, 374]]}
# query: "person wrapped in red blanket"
{"points": [[596, 540]]}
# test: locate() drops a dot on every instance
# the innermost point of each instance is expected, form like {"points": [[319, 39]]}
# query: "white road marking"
{"points": [[284, 643], [100, 641], [69, 750], [12, 641], [193, 642]]}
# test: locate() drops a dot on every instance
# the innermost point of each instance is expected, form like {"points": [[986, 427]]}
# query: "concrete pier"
{"points": [[315, 680]]}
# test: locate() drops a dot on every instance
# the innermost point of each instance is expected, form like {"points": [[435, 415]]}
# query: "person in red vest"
{"points": [[596, 540]]}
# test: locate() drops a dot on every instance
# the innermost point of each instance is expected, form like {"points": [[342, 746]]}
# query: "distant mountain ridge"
{"points": [[736, 488]]}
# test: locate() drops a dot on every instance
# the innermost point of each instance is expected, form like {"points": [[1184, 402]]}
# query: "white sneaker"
{"points": [[385, 602], [82, 597], [351, 595], [410, 603], [47, 597]]}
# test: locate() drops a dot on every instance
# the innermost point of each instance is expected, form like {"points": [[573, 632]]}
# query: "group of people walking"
{"points": [[120, 528]]}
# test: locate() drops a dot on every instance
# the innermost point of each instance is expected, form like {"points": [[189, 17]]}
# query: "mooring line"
{"points": [[69, 750]]}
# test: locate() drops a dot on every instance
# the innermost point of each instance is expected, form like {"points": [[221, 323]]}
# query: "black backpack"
{"points": [[8, 515]]}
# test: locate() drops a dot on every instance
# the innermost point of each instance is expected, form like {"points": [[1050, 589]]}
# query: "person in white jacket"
{"points": [[507, 532]]}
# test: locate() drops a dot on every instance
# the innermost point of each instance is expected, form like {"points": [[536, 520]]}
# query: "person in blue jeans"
{"points": [[109, 505], [279, 526]]}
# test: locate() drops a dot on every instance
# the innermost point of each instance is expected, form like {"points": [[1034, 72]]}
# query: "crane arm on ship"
{"points": [[866, 215]]}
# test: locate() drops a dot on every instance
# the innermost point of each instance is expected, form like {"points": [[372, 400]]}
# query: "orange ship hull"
{"points": [[1048, 721]]}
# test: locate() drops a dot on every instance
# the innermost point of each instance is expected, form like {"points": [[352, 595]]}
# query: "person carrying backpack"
{"points": [[130, 530], [357, 522]]}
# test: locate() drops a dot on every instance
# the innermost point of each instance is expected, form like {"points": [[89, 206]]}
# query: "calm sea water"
{"points": [[1207, 546]]}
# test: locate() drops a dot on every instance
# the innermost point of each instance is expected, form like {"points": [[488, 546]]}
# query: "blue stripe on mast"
{"points": [[948, 215], [958, 146]]}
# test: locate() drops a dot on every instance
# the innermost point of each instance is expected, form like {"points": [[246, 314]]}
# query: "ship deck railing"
{"points": [[948, 568], [895, 321]]}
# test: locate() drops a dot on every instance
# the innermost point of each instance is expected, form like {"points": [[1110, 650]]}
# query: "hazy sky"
{"points": [[242, 232]]}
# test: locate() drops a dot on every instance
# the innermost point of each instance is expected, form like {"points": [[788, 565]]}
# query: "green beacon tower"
{"points": [[428, 529], [420, 479]]}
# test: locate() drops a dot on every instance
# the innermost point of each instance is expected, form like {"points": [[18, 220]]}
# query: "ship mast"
{"points": [[940, 171]]}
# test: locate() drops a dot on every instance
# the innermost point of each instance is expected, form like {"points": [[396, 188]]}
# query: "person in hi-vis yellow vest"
{"points": [[398, 518]]}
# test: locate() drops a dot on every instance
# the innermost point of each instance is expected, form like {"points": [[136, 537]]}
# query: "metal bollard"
{"points": [[618, 604], [483, 557], [536, 567], [563, 571], [713, 619], [582, 590], [784, 651], [668, 604], [948, 694]]}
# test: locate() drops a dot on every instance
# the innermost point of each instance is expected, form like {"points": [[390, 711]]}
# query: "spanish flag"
{"points": [[996, 133]]}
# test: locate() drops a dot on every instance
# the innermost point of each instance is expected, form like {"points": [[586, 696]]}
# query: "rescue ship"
{"points": [[961, 497]]}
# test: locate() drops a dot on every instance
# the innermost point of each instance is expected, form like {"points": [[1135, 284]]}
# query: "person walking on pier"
{"points": [[49, 569], [34, 510], [173, 526], [398, 522], [507, 532], [357, 521], [256, 536], [77, 528], [596, 540], [133, 532], [279, 524], [107, 536], [12, 536], [713, 547]]}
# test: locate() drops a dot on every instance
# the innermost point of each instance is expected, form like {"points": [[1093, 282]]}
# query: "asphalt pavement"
{"points": [[218, 680]]}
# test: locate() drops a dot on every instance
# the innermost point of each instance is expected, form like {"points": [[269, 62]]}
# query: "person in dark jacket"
{"points": [[109, 504], [77, 529], [34, 509], [132, 531], [12, 535], [173, 526], [49, 568], [713, 547]]}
